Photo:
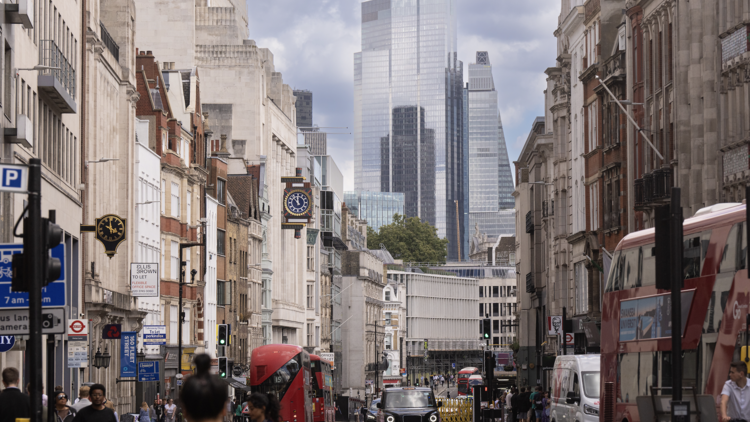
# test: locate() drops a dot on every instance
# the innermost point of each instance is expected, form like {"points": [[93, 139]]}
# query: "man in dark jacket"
{"points": [[13, 403]]}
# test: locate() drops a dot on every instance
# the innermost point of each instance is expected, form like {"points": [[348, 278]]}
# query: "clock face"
{"points": [[110, 228], [297, 203]]}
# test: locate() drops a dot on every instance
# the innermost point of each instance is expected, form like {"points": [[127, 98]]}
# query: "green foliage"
{"points": [[409, 239]]}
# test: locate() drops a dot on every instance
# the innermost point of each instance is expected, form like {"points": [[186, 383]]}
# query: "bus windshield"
{"points": [[409, 398], [591, 384], [279, 382]]}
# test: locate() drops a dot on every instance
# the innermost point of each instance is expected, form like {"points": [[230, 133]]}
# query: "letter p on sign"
{"points": [[13, 178]]}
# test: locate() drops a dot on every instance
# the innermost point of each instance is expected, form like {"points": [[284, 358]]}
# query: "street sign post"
{"points": [[78, 330], [17, 321], [148, 371], [14, 178], [53, 295]]}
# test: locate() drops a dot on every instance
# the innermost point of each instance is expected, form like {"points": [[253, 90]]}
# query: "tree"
{"points": [[409, 239]]}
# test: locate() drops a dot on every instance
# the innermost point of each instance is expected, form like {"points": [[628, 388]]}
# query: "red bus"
{"points": [[322, 385], [463, 380], [284, 370], [636, 328]]}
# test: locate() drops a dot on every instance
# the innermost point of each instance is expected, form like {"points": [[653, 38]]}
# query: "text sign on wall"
{"points": [[144, 280], [78, 355], [154, 335], [127, 360]]}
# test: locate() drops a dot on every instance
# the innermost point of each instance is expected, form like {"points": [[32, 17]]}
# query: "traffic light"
{"points": [[223, 334], [51, 237], [486, 328], [223, 367]]}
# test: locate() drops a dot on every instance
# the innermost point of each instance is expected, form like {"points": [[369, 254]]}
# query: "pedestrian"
{"points": [[13, 403], [735, 396], [545, 407], [63, 412], [238, 413], [536, 403], [170, 411], [143, 415], [83, 398], [158, 411], [508, 408], [96, 411], [203, 396], [449, 394], [109, 404], [263, 407]]}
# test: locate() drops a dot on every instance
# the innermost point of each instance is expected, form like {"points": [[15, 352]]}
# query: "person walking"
{"points": [[536, 403], [449, 394], [203, 397], [63, 412], [144, 414], [735, 396], [545, 407], [170, 410], [263, 407], [109, 404], [508, 408], [83, 399], [13, 403], [96, 411], [158, 410]]}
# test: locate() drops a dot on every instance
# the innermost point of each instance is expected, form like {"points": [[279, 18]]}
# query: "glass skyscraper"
{"points": [[408, 119], [490, 181], [375, 207]]}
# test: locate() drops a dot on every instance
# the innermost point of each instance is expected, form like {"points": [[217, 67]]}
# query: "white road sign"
{"points": [[78, 355], [14, 178], [144, 280], [16, 321]]}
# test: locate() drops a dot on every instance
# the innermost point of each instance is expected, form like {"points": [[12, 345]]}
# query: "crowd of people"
{"points": [[525, 405], [203, 398], [436, 380]]}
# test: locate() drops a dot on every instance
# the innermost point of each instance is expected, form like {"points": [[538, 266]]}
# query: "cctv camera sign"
{"points": [[144, 280]]}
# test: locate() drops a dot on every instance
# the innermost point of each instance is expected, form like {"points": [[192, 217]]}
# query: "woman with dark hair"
{"points": [[263, 408], [203, 397]]}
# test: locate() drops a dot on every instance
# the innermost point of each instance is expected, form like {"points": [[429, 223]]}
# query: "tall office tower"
{"points": [[304, 105], [490, 181], [408, 110], [465, 167]]}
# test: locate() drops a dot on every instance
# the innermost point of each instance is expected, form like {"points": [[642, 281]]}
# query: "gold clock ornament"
{"points": [[110, 230]]}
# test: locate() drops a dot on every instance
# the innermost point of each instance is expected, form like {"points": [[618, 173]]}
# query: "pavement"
{"points": [[442, 390]]}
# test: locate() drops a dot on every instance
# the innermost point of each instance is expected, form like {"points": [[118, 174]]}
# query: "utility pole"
{"points": [[182, 283], [33, 250]]}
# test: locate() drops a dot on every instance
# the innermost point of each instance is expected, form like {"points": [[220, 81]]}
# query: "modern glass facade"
{"points": [[490, 182], [375, 207], [465, 147], [408, 109]]}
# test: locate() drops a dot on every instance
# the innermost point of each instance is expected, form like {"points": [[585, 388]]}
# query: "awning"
{"points": [[237, 385]]}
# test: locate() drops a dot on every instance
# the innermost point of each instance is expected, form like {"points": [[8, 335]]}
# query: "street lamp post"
{"points": [[182, 283]]}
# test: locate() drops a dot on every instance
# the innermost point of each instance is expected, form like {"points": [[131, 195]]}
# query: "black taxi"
{"points": [[408, 404]]}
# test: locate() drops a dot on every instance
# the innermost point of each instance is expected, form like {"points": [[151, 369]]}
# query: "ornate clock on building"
{"points": [[110, 230], [297, 202]]}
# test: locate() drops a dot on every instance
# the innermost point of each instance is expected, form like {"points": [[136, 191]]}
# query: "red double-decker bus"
{"points": [[636, 358], [284, 370], [322, 386], [463, 380]]}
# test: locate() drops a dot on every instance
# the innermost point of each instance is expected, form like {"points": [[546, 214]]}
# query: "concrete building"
{"points": [[441, 309], [400, 109], [490, 180], [304, 106], [362, 304], [377, 208]]}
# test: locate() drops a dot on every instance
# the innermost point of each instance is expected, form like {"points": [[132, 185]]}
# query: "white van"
{"points": [[575, 389]]}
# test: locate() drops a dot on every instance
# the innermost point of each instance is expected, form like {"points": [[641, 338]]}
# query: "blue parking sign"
{"points": [[53, 296], [14, 178]]}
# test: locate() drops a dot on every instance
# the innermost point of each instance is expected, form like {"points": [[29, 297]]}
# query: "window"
{"points": [[582, 288], [163, 196], [220, 242], [594, 206], [310, 296], [592, 123], [223, 293], [388, 341], [481, 312], [186, 255], [310, 332], [495, 326], [495, 291], [189, 206], [163, 251], [388, 320], [220, 186], [311, 258], [175, 267], [173, 324], [186, 327], [387, 295], [8, 83], [175, 192], [495, 309], [481, 291]]}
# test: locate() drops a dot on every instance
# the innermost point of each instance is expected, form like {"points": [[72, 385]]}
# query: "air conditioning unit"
{"points": [[20, 12], [22, 134]]}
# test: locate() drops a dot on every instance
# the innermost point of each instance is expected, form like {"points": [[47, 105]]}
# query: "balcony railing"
{"points": [[638, 185], [529, 222], [653, 187], [58, 83], [530, 283], [662, 183], [548, 208], [109, 42]]}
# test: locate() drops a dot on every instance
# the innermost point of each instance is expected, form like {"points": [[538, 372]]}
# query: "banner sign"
{"points": [[144, 280], [554, 325], [155, 335], [127, 358], [649, 318]]}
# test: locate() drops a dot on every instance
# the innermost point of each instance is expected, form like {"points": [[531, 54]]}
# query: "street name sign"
{"points": [[148, 371], [154, 335], [53, 296], [14, 178], [16, 321], [127, 357]]}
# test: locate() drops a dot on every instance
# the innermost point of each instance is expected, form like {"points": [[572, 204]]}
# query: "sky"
{"points": [[314, 41]]}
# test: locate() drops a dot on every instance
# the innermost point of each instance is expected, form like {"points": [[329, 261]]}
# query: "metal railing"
{"points": [[662, 183], [638, 185], [109, 42], [50, 55], [529, 222]]}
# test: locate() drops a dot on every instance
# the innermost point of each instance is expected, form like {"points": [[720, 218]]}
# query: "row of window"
{"points": [[497, 291], [497, 309]]}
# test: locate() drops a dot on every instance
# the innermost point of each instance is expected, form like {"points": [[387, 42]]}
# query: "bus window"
{"points": [[695, 247], [647, 372], [631, 269], [743, 249], [718, 302], [729, 258], [648, 266], [690, 368], [628, 366], [614, 281]]}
